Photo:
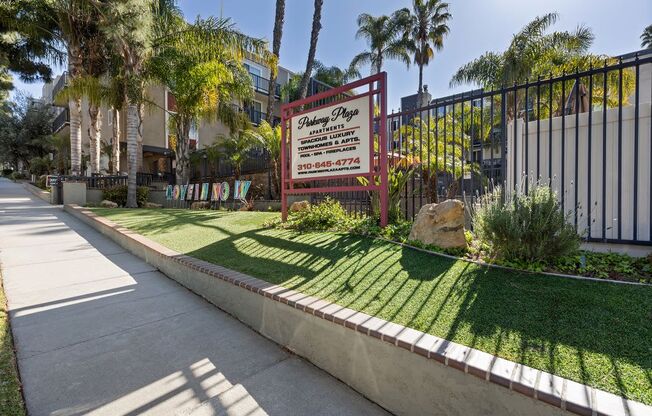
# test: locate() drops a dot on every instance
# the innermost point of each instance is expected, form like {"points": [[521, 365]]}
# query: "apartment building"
{"points": [[157, 157]]}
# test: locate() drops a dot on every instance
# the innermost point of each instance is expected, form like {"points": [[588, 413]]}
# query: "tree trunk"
{"points": [[75, 136], [74, 106], [314, 35], [183, 142], [94, 136], [115, 143], [420, 90], [132, 150], [141, 116], [276, 49]]}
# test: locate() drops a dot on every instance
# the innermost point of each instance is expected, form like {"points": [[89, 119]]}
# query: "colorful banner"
{"points": [[184, 192], [204, 192], [176, 192], [217, 191], [197, 190], [226, 190], [168, 192], [191, 190], [240, 189]]}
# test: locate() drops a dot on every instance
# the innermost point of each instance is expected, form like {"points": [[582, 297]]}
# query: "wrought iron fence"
{"points": [[587, 134]]}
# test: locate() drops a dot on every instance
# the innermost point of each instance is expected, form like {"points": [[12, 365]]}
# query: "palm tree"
{"points": [[646, 38], [529, 48], [387, 39], [130, 26], [532, 52], [428, 29], [276, 51], [314, 34], [202, 67], [270, 138], [73, 19], [236, 147]]}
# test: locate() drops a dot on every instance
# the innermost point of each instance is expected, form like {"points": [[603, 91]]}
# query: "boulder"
{"points": [[200, 205], [152, 205], [108, 204], [441, 224], [299, 206]]}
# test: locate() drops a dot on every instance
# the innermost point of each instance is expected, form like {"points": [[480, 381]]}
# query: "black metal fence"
{"points": [[587, 134]]}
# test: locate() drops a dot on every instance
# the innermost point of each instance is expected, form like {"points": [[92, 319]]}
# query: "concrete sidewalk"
{"points": [[99, 331]]}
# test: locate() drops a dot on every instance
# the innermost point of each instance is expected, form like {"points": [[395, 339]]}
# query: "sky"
{"points": [[477, 26]]}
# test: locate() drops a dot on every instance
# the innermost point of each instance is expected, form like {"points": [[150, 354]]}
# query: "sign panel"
{"points": [[51, 180], [332, 141]]}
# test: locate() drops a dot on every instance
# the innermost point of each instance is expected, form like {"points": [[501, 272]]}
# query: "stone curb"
{"points": [[38, 192], [545, 387]]}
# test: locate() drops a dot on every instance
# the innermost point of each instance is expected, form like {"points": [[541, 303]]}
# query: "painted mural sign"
{"points": [[332, 141], [207, 191]]}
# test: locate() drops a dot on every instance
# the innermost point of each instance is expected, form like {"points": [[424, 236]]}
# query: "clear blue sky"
{"points": [[477, 26]]}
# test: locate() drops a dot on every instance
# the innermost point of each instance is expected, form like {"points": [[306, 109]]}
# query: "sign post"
{"points": [[337, 140]]}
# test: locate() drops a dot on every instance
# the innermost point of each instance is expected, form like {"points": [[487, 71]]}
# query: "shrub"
{"points": [[118, 194], [328, 215], [40, 165], [17, 176], [527, 227], [7, 172]]}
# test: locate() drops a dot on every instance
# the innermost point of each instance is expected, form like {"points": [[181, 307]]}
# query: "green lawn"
{"points": [[11, 401], [592, 332]]}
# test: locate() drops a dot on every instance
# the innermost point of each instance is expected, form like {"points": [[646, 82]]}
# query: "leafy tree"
{"points": [[203, 68], [428, 28], [276, 51], [387, 39], [646, 38], [314, 35], [333, 75], [25, 132], [29, 41]]}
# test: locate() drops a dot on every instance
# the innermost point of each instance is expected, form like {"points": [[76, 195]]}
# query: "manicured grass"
{"points": [[11, 400], [592, 332]]}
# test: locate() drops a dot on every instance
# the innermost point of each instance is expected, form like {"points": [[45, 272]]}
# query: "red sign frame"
{"points": [[377, 85]]}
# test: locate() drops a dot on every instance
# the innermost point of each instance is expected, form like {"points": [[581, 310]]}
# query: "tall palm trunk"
{"points": [[420, 102], [314, 35], [115, 143], [276, 50], [74, 106], [183, 142], [75, 136], [94, 136], [139, 156], [132, 150]]}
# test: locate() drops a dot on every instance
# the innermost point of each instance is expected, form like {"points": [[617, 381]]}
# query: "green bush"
{"points": [[41, 182], [17, 176], [525, 227], [40, 165], [118, 194], [328, 215], [7, 172]]}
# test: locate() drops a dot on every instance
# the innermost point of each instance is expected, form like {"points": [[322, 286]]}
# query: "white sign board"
{"points": [[332, 141]]}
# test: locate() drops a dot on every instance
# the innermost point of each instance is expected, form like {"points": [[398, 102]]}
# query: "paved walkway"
{"points": [[98, 331]]}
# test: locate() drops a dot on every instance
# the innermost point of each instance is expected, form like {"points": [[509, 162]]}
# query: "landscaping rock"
{"points": [[152, 205], [299, 206], [441, 225], [200, 205], [108, 204]]}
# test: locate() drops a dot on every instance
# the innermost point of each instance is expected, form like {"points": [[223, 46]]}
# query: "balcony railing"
{"points": [[61, 83], [61, 120], [256, 116], [261, 85]]}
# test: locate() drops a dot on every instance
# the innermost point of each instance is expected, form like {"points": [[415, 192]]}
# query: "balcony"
{"points": [[61, 83], [261, 85], [256, 116], [61, 121]]}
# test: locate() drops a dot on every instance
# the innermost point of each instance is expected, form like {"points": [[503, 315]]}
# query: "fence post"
{"points": [[503, 140]]}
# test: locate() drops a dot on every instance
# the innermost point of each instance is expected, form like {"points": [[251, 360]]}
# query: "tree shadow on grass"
{"points": [[586, 331]]}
